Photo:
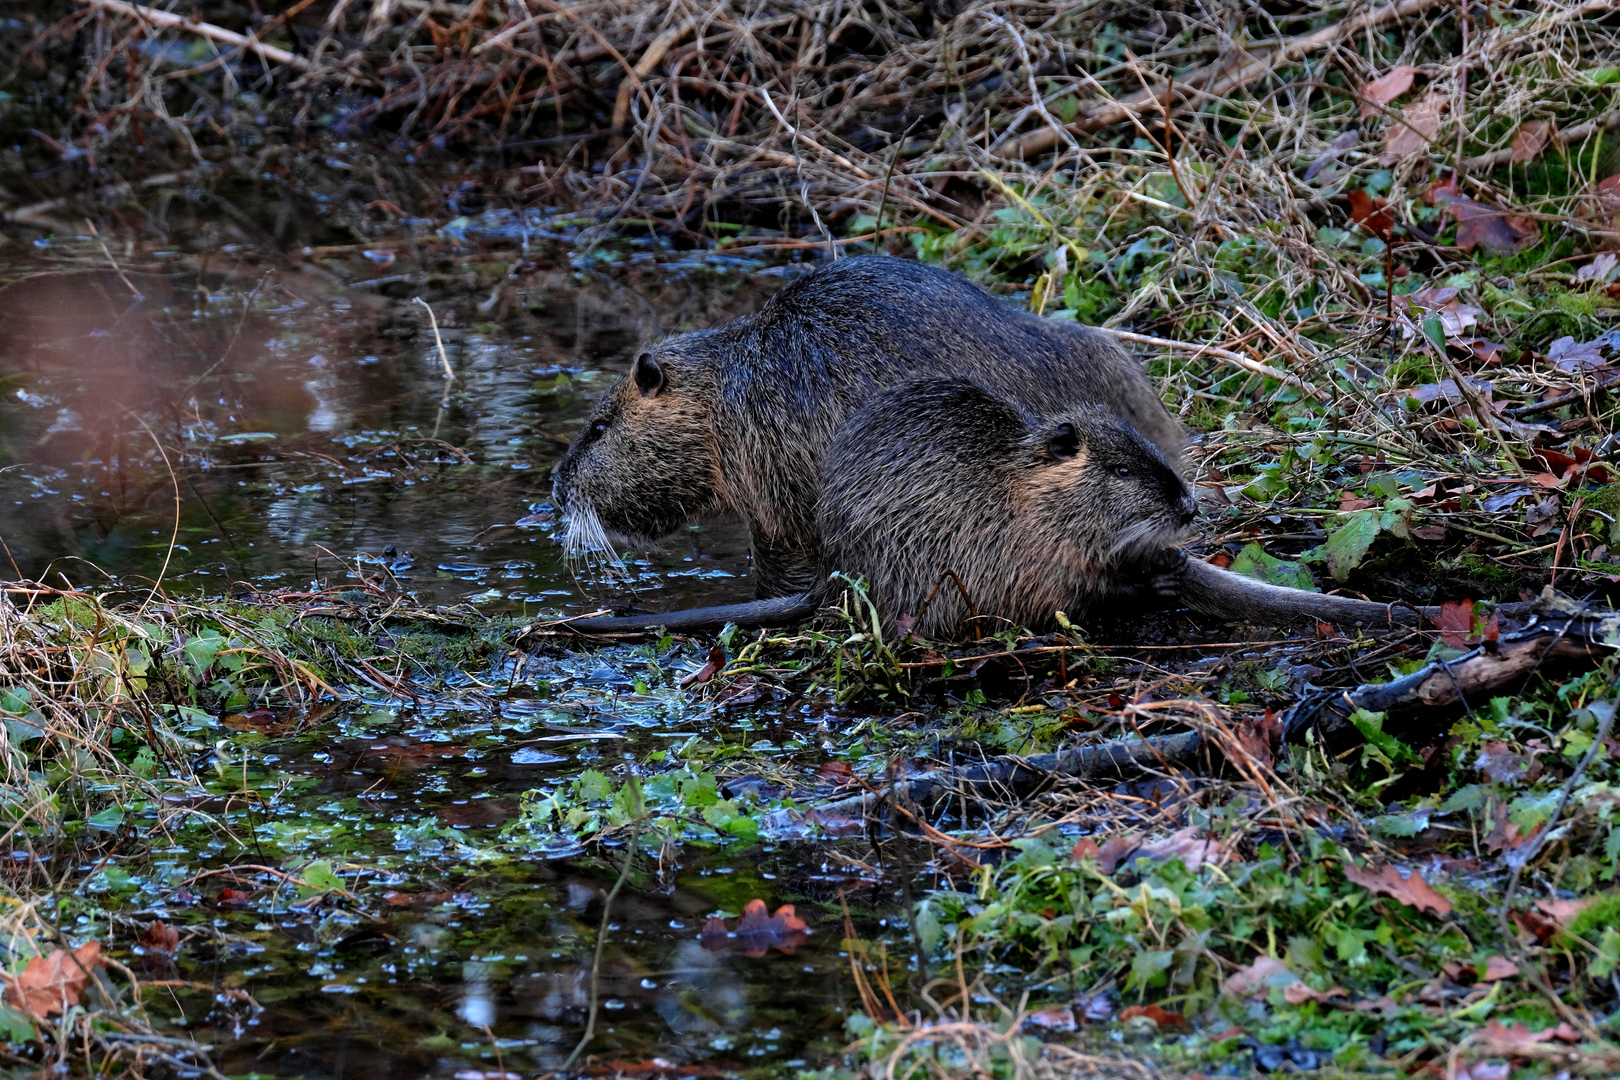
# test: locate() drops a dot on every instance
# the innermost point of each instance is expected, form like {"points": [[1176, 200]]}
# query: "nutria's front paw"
{"points": [[1168, 573]]}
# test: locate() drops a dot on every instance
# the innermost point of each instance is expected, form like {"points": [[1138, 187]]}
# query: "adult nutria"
{"points": [[736, 419], [956, 504]]}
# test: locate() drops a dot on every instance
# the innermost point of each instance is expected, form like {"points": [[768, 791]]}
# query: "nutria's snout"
{"points": [[1188, 509]]}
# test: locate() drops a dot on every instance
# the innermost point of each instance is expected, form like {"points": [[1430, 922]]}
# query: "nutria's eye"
{"points": [[649, 375], [1064, 442], [599, 428], [1122, 470]]}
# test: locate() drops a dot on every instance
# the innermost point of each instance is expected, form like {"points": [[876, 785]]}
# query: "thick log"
{"points": [[1564, 633]]}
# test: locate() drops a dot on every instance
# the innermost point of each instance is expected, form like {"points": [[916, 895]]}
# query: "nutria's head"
{"points": [[646, 462], [1099, 485]]}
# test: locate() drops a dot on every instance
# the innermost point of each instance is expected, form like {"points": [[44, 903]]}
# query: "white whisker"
{"points": [[586, 541]]}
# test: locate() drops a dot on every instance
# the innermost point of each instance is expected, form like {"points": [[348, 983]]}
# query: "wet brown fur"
{"points": [[942, 475], [735, 420], [956, 505]]}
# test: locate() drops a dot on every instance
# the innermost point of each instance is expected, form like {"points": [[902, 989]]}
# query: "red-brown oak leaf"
{"points": [[1386, 88], [1388, 881], [55, 983], [160, 937]]}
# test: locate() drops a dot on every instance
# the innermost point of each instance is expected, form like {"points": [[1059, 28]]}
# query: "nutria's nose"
{"points": [[1189, 509]]}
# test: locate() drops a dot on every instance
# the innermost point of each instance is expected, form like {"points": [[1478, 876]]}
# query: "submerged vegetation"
{"points": [[1371, 254]]}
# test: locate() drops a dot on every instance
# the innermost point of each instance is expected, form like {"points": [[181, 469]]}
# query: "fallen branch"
{"points": [[170, 20], [34, 211], [1212, 80], [1564, 632], [1559, 138], [1018, 773], [644, 67], [1563, 399]]}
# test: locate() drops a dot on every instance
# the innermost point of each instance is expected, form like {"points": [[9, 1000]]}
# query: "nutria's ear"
{"points": [[649, 375], [1063, 442]]}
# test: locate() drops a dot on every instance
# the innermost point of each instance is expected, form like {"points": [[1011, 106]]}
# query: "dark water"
{"points": [[223, 416], [301, 411]]}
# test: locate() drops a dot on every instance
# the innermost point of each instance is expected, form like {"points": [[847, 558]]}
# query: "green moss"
{"points": [[1592, 921], [1497, 579]]}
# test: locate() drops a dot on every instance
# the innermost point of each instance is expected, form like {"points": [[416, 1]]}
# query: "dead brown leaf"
{"points": [[1410, 890], [1154, 1013], [1502, 763], [1110, 854], [1599, 268], [758, 931], [1188, 845], [1349, 502], [1504, 834], [1482, 1070], [1455, 315], [1422, 124], [1490, 227], [1563, 912], [55, 983], [1297, 993], [1260, 736], [1505, 1039], [160, 938], [1530, 140], [1498, 967], [1460, 628], [1370, 214], [1346, 140], [1258, 977], [835, 772], [1608, 195], [1386, 88], [711, 667], [1056, 1018]]}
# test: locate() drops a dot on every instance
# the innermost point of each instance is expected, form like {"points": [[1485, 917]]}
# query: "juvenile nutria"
{"points": [[736, 419], [955, 503], [938, 488], [943, 495]]}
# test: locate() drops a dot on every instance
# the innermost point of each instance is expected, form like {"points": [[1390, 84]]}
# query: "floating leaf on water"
{"points": [[319, 878], [758, 932], [233, 900], [160, 938], [528, 755]]}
